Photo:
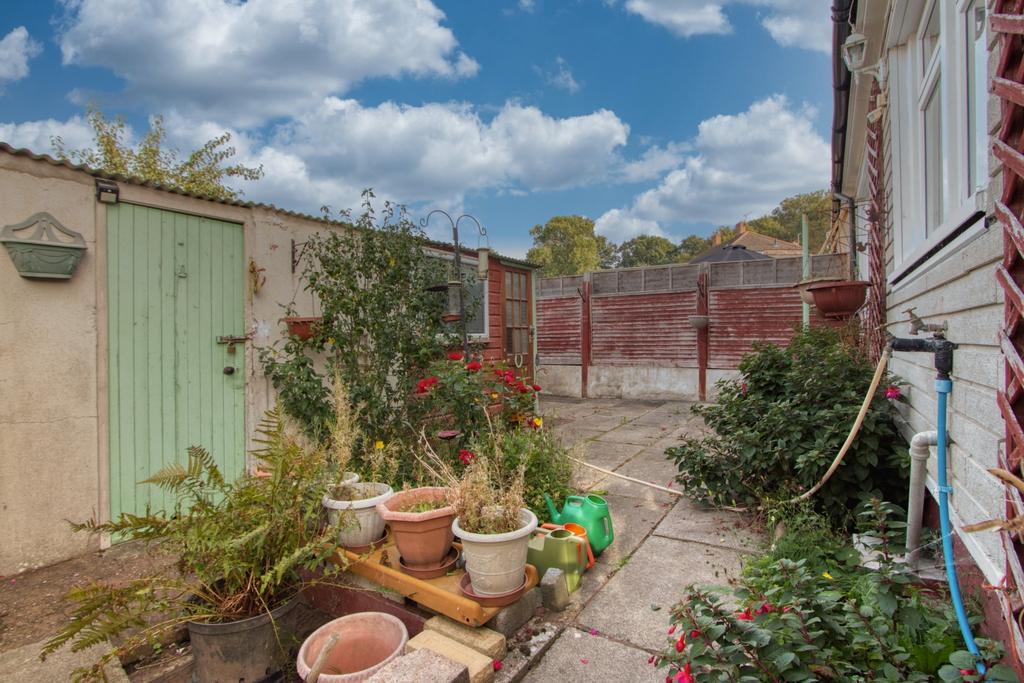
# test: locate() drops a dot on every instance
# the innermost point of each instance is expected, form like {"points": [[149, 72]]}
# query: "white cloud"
{"points": [[562, 77], [16, 49], [246, 62], [792, 23], [527, 5], [741, 163], [36, 135], [654, 162]]}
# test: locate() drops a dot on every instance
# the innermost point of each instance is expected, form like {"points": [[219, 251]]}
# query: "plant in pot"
{"points": [[352, 505], [243, 549], [491, 518]]}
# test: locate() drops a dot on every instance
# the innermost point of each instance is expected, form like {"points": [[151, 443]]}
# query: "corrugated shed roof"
{"points": [[46, 158]]}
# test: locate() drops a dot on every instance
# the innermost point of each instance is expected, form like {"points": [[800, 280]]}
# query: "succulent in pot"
{"points": [[245, 549], [421, 523]]}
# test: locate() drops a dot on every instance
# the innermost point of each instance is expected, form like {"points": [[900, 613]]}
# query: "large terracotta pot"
{"points": [[839, 299], [423, 538], [367, 641]]}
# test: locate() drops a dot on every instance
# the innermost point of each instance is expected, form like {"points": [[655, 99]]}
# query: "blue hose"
{"points": [[942, 388]]}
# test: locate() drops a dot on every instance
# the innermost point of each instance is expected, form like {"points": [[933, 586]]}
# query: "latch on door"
{"points": [[231, 340]]}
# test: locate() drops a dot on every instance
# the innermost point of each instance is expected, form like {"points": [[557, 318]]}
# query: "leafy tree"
{"points": [[646, 250], [202, 172], [567, 245], [607, 253], [691, 246], [784, 220]]}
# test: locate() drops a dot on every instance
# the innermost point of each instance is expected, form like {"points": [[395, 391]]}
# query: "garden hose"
{"points": [[879, 371]]}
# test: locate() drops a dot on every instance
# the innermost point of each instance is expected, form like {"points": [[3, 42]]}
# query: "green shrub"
{"points": [[778, 427], [790, 620]]}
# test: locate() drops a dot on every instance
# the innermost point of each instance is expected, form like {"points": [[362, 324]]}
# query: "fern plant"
{"points": [[242, 547]]}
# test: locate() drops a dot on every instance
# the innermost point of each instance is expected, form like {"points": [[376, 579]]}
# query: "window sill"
{"points": [[959, 222]]}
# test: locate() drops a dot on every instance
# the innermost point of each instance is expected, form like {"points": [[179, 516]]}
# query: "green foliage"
{"points": [[779, 426], [784, 220], [647, 250], [241, 547], [545, 463], [202, 172], [380, 326], [567, 245], [797, 622]]}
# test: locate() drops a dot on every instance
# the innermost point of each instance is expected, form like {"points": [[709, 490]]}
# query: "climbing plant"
{"points": [[380, 325]]}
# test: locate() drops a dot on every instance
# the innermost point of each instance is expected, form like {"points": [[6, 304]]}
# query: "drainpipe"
{"points": [[920, 449]]}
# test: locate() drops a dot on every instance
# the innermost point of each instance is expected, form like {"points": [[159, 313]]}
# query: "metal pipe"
{"points": [[805, 251], [920, 450]]}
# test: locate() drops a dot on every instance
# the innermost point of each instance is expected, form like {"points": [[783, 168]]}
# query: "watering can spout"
{"points": [[556, 516]]}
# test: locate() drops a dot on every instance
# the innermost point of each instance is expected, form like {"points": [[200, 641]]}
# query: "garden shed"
{"points": [[129, 321]]}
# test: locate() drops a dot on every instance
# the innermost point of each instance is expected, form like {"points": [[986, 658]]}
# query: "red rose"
{"points": [[465, 457], [473, 366], [536, 387], [455, 355]]}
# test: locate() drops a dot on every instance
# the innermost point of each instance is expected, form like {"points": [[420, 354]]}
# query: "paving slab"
{"points": [[633, 519], [22, 664], [670, 418], [648, 466], [656, 575], [578, 657], [689, 522], [569, 435], [644, 435]]}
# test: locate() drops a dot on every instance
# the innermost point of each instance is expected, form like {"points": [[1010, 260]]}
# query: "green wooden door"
{"points": [[175, 283]]}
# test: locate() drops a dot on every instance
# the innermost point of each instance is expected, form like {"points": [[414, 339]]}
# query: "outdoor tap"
{"points": [[918, 325], [937, 344]]}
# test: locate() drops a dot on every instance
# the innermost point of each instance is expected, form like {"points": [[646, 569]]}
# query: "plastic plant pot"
{"points": [[301, 327], [839, 300], [423, 538], [367, 641], [496, 562], [362, 524]]}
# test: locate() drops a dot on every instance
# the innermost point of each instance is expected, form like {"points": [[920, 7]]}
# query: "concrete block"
{"points": [[554, 590], [423, 666], [510, 619], [481, 667], [483, 640]]}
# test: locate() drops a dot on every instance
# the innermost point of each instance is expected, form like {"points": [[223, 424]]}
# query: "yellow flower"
{"points": [[538, 422], [494, 395], [378, 444], [827, 576]]}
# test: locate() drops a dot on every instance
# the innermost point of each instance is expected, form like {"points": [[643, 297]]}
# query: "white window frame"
{"points": [[469, 261], [948, 70]]}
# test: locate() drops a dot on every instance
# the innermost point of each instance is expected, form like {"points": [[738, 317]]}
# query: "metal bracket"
{"points": [[298, 251], [231, 340]]}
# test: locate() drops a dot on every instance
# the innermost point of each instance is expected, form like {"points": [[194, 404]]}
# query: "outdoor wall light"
{"points": [[107, 191], [854, 51]]}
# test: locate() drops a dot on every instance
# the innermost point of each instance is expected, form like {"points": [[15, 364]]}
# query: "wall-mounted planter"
{"points": [[301, 327], [41, 247], [699, 321], [841, 299]]}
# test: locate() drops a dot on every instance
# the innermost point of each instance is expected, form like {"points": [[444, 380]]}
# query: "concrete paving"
{"points": [[22, 664], [663, 542]]}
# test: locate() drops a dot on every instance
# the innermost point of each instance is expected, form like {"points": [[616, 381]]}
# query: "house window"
{"points": [[930, 99], [976, 51]]}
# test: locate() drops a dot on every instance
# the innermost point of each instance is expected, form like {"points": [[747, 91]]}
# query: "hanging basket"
{"points": [[839, 300], [41, 247]]}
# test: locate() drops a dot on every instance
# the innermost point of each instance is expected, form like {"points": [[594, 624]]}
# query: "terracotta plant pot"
{"points": [[803, 288], [367, 641], [496, 563], [423, 538], [301, 327], [364, 525], [839, 299]]}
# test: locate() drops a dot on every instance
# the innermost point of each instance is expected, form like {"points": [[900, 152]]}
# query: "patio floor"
{"points": [[619, 616]]}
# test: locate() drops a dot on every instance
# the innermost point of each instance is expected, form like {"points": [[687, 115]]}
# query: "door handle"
{"points": [[229, 369]]}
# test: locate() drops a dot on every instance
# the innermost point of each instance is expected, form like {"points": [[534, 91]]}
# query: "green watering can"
{"points": [[590, 512], [558, 548]]}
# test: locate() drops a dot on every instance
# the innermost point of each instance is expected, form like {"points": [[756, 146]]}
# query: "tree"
{"points": [[567, 245], [203, 172], [784, 220], [607, 253], [691, 246], [646, 250]]}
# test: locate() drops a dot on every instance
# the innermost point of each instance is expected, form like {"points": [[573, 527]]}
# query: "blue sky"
{"points": [[649, 116]]}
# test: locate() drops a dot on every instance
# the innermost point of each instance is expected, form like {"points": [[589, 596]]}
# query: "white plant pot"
{"points": [[497, 562], [362, 523]]}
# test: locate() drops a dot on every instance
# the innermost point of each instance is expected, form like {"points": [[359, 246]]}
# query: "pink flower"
{"points": [[455, 355], [650, 660], [681, 643], [892, 392], [743, 388], [745, 615], [671, 629], [466, 457], [473, 366], [497, 665], [684, 675], [594, 632], [764, 609], [694, 634]]}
